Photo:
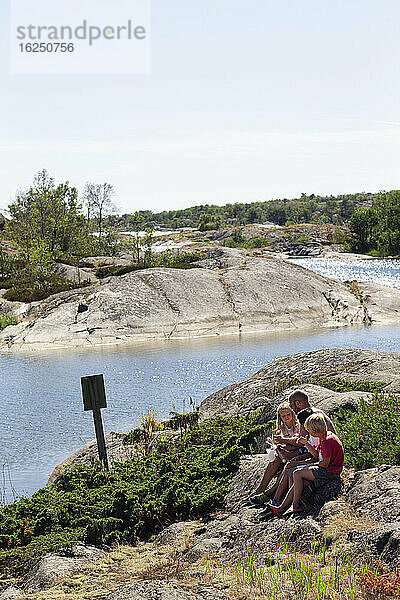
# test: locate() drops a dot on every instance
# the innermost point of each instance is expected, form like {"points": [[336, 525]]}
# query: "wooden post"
{"points": [[94, 399]]}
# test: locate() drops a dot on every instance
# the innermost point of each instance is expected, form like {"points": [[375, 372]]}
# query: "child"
{"points": [[329, 467], [304, 457], [284, 445]]}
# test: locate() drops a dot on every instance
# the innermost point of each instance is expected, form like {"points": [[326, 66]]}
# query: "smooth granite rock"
{"points": [[241, 293], [262, 388], [12, 593], [375, 493], [58, 564], [383, 541], [74, 274]]}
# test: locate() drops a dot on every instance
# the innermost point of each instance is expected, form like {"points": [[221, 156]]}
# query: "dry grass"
{"points": [[122, 566], [343, 520], [258, 573]]}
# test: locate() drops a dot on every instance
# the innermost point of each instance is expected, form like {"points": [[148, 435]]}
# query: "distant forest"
{"points": [[306, 209]]}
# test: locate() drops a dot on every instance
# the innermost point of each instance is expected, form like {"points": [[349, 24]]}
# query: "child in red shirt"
{"points": [[330, 465]]}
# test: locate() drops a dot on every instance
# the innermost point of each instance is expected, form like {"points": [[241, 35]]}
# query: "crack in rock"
{"points": [[160, 291], [229, 296], [341, 311]]}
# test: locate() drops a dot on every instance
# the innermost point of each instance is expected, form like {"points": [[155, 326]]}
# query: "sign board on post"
{"points": [[94, 398]]}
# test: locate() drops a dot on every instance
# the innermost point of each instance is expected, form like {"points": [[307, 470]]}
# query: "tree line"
{"points": [[376, 228], [306, 209]]}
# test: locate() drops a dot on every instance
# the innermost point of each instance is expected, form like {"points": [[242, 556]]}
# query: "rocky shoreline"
{"points": [[365, 518], [230, 292]]}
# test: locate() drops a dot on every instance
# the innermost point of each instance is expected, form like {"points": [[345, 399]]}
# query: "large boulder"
{"points": [[263, 387], [322, 398], [108, 261], [227, 536], [246, 294], [74, 274], [375, 493], [58, 564], [53, 567], [247, 478], [379, 303], [383, 541]]}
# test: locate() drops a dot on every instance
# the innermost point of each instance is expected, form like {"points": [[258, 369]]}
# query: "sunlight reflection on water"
{"points": [[41, 406]]}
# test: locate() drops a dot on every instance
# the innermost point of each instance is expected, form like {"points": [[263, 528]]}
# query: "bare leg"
{"points": [[283, 484], [282, 508], [286, 479], [270, 471], [300, 478]]}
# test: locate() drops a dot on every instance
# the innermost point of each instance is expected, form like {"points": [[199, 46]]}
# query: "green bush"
{"points": [[6, 320], [257, 242], [304, 239], [6, 283], [236, 240], [181, 261], [371, 434], [176, 482], [334, 383], [8, 265], [33, 291]]}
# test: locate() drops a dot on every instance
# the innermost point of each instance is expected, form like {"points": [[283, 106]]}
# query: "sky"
{"points": [[246, 100]]}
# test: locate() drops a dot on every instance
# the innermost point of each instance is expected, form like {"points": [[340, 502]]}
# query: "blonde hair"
{"points": [[315, 423], [279, 422]]}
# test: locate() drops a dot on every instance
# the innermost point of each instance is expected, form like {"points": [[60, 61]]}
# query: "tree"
{"points": [[137, 224], [45, 216], [97, 199]]}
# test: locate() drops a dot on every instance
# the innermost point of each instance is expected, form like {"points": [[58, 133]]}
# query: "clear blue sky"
{"points": [[247, 100]]}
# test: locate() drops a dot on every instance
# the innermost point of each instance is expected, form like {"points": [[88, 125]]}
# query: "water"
{"points": [[42, 412], [381, 271]]}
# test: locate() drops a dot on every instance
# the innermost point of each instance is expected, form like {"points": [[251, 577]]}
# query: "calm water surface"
{"points": [[41, 406]]}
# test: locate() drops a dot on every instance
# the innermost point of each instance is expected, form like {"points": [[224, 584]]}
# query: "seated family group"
{"points": [[305, 442]]}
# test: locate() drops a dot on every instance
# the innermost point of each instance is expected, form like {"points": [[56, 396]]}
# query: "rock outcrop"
{"points": [[74, 274], [233, 293], [161, 590], [51, 568], [116, 451], [261, 388], [382, 541], [368, 508], [375, 493]]}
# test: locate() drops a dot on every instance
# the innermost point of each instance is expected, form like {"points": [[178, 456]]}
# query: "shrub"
{"points": [[257, 242], [304, 239], [236, 240], [175, 482], [371, 434], [181, 261], [39, 290], [6, 320]]}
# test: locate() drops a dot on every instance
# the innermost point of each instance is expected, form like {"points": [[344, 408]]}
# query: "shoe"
{"points": [[293, 511], [257, 499], [267, 513]]}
